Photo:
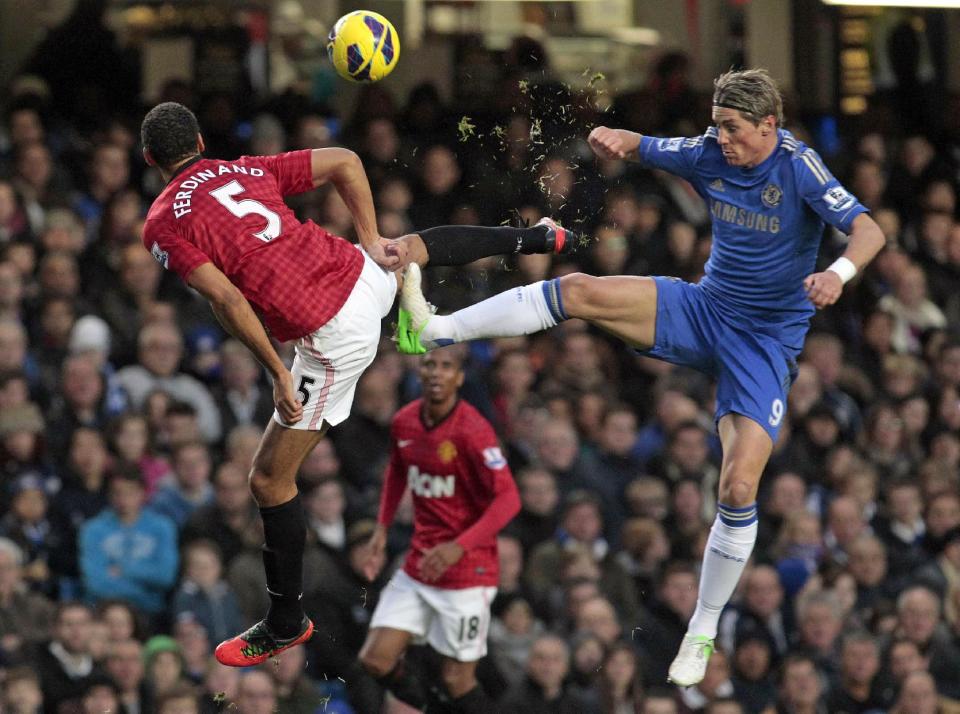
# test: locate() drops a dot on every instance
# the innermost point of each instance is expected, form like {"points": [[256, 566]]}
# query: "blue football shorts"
{"points": [[754, 371]]}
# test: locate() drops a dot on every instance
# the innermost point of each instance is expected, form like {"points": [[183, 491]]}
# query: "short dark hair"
{"points": [[793, 659], [130, 473], [169, 133]]}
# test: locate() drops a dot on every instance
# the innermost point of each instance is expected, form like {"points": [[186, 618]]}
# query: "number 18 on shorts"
{"points": [[452, 622]]}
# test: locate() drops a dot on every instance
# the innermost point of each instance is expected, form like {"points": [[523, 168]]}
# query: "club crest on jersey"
{"points": [[493, 458], [447, 452], [162, 256], [772, 195], [429, 486], [717, 185], [837, 198]]}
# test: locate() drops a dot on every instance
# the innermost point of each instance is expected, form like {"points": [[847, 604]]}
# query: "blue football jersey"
{"points": [[767, 224]]}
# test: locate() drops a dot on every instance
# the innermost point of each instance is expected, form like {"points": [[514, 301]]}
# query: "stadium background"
{"points": [[484, 121]]}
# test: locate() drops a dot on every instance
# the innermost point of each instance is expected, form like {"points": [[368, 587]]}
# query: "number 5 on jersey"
{"points": [[302, 390], [224, 196]]}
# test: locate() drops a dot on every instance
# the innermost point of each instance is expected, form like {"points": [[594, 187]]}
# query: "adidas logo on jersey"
{"points": [[428, 486], [717, 185]]}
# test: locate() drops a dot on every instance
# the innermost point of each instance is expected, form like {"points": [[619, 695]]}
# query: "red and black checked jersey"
{"points": [[232, 214], [462, 490]]}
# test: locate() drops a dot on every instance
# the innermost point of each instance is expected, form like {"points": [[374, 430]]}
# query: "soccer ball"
{"points": [[363, 46]]}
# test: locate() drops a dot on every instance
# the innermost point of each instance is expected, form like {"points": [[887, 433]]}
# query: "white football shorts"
{"points": [[452, 622], [329, 361]]}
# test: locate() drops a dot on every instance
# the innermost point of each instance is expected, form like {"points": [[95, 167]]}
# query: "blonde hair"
{"points": [[752, 92]]}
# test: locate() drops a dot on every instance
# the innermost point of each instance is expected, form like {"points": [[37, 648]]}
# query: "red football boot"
{"points": [[259, 644]]}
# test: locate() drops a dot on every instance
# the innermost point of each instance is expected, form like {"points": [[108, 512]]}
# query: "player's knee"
{"points": [[458, 680], [261, 485], [738, 491], [578, 291], [376, 665]]}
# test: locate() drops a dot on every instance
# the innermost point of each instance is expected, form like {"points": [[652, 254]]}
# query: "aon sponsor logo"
{"points": [[429, 486]]}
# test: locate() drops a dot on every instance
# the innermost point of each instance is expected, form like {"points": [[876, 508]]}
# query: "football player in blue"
{"points": [[744, 323]]}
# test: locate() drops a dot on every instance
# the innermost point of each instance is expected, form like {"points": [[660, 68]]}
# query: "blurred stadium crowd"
{"points": [[130, 543]]}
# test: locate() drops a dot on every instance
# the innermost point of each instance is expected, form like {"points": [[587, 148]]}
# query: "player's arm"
{"points": [[866, 240], [615, 143], [343, 169], [393, 488], [841, 209], [238, 318]]}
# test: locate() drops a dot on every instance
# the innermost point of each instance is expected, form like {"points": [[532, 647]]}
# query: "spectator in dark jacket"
{"points": [[543, 691], [232, 520], [204, 594], [64, 664]]}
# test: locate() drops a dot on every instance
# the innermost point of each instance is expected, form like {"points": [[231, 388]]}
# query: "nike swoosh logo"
{"points": [[404, 442]]}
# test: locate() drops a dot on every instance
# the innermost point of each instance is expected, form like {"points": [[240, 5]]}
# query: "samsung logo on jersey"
{"points": [[427, 486], [742, 217]]}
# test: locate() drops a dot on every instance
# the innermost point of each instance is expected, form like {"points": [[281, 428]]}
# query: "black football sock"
{"points": [[459, 245], [285, 533], [438, 701], [475, 701], [404, 685]]}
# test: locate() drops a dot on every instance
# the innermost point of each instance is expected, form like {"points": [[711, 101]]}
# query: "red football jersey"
{"points": [[462, 490], [232, 214]]}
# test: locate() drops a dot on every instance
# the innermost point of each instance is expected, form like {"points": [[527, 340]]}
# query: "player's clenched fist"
{"points": [[823, 288], [290, 410], [438, 559], [613, 143]]}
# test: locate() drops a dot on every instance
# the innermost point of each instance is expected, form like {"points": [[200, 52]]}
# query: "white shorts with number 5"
{"points": [[330, 360], [453, 622]]}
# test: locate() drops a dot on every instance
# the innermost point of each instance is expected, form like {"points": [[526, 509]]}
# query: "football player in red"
{"points": [[224, 228], [447, 454]]}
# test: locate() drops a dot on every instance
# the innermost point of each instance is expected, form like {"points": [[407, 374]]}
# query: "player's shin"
{"points": [[728, 548], [403, 684], [284, 531], [519, 311], [459, 245]]}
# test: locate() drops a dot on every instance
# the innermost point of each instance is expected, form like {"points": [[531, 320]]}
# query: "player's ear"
{"points": [[201, 147], [148, 157]]}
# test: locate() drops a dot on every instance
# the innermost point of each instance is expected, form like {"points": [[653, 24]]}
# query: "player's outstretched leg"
{"points": [[272, 481], [746, 449], [459, 245], [623, 305]]}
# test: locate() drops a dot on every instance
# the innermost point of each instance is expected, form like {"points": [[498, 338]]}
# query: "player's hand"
{"points": [[438, 559], [373, 557], [387, 254], [823, 288], [289, 409], [613, 143]]}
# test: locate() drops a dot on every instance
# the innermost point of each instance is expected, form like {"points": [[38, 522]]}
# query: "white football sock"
{"points": [[520, 311], [728, 548]]}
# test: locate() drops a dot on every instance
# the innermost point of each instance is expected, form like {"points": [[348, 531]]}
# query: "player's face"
{"points": [[441, 375], [743, 143]]}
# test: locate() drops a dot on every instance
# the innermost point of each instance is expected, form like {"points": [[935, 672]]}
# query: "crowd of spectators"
{"points": [[130, 544]]}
